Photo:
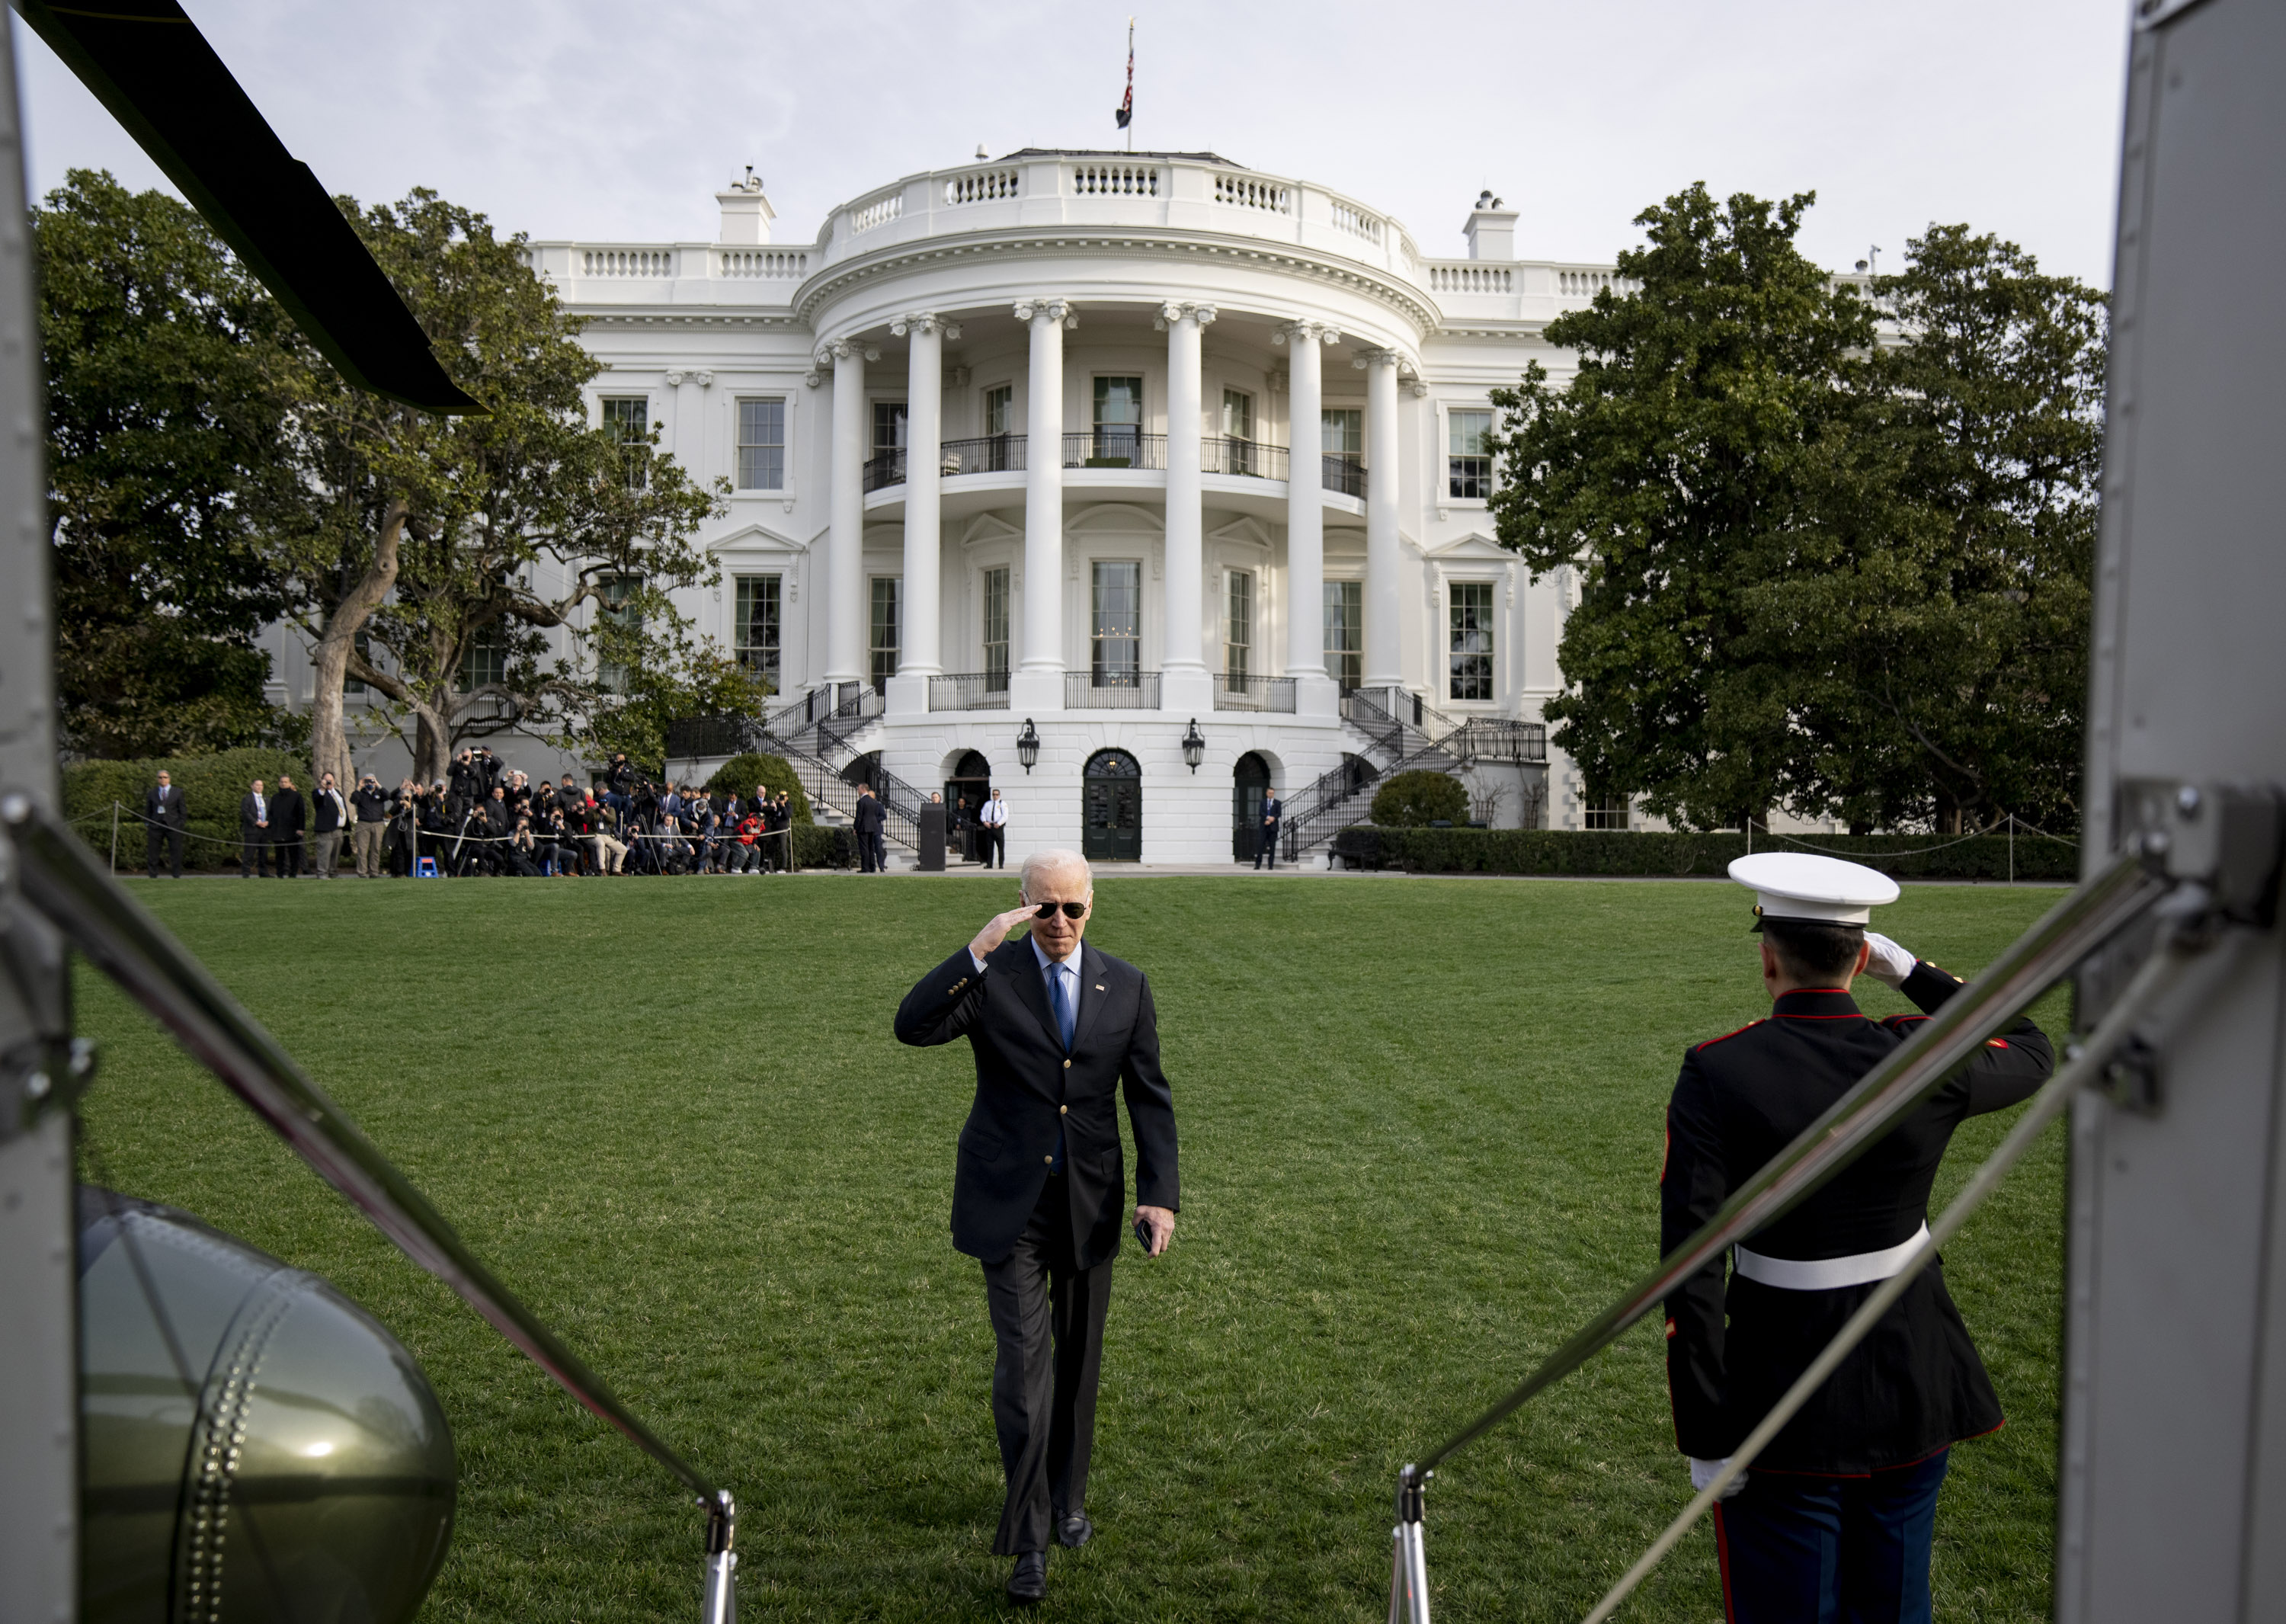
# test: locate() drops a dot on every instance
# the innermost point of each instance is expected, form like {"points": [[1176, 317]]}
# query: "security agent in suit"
{"points": [[1835, 1518], [1039, 1187], [254, 833], [165, 817], [867, 818], [287, 817], [1273, 813]]}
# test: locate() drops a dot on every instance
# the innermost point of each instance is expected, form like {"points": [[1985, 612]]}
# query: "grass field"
{"points": [[1421, 1128]]}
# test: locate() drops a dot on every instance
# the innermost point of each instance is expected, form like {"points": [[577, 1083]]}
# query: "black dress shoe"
{"points": [[1029, 1582], [1074, 1531]]}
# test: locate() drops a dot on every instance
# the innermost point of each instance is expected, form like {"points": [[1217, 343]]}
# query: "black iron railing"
{"points": [[1345, 474], [994, 453], [691, 737], [885, 471], [1241, 691], [1250, 459], [1124, 691], [972, 690], [1116, 448]]}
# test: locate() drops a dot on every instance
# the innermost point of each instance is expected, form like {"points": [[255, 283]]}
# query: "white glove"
{"points": [[1889, 963], [1702, 1473]]}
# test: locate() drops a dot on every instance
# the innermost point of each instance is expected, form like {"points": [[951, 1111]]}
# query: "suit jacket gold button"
{"points": [[1048, 1160], [1066, 1065], [1063, 1110]]}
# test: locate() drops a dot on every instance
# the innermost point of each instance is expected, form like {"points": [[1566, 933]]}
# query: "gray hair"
{"points": [[1047, 863]]}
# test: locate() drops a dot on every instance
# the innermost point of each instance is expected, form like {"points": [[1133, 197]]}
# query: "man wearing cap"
{"points": [[1835, 1518]]}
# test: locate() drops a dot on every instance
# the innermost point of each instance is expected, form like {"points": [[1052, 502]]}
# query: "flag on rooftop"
{"points": [[1126, 108]]}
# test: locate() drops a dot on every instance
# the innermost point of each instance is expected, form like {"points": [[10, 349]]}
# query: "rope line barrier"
{"points": [[2085, 1063], [456, 841]]}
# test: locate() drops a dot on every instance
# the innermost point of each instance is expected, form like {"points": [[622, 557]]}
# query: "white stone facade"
{"points": [[1173, 328]]}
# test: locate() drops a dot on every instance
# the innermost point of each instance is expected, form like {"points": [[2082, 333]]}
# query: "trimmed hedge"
{"points": [[739, 774], [820, 845], [1419, 797], [1641, 854], [211, 786]]}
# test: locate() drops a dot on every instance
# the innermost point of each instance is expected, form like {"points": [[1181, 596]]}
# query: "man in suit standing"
{"points": [[164, 819], [286, 820], [867, 819], [1040, 1188], [254, 833], [330, 816], [992, 832], [1274, 810]]}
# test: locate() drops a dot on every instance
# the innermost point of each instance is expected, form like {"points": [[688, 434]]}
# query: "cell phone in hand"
{"points": [[1143, 1237]]}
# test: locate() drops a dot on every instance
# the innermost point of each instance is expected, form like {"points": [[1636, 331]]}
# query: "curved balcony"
{"points": [[1122, 450]]}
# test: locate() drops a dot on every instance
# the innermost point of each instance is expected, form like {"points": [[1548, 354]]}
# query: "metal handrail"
{"points": [[67, 883], [1342, 475], [969, 690], [1857, 1122], [884, 470], [1116, 448], [990, 454], [1248, 459]]}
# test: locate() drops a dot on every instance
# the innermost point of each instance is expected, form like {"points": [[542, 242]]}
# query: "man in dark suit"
{"points": [[165, 817], [254, 833], [1272, 811], [1039, 1186], [1835, 1518], [287, 817], [867, 819]]}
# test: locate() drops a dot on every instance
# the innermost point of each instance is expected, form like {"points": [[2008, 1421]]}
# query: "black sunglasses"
{"points": [[1072, 910]]}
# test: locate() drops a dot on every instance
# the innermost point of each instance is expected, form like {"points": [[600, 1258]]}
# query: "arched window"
{"points": [[1113, 810]]}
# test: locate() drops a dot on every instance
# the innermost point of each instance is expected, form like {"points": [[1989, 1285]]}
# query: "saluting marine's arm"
{"points": [[2007, 1069]]}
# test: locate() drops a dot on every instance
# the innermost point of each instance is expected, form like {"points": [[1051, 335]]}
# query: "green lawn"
{"points": [[1421, 1128]]}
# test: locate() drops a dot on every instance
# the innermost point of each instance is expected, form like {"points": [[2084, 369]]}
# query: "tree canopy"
{"points": [[171, 373], [1817, 567]]}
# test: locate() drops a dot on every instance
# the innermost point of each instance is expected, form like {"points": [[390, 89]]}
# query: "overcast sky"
{"points": [[581, 119]]}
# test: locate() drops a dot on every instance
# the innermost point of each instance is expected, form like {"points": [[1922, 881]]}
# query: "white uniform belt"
{"points": [[1830, 1273]]}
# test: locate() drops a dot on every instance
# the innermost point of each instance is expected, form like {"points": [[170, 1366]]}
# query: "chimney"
{"points": [[746, 213], [1491, 230]]}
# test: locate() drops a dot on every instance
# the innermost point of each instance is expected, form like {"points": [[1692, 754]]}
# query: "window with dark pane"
{"points": [[754, 628], [1470, 642], [1115, 653], [627, 419]]}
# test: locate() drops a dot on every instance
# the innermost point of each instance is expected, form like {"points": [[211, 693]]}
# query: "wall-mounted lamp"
{"points": [[1028, 746], [1194, 747]]}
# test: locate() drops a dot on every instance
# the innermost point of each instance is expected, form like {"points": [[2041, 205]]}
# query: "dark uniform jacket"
{"points": [[1915, 1385], [1028, 1089], [869, 815], [285, 814]]}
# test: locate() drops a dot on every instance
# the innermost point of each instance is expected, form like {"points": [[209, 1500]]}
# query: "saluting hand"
{"points": [[996, 931]]}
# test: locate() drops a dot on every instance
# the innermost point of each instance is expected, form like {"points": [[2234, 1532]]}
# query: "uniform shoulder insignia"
{"points": [[1898, 1020], [1726, 1036]]}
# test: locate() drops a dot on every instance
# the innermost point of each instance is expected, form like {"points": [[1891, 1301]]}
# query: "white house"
{"points": [[1105, 451]]}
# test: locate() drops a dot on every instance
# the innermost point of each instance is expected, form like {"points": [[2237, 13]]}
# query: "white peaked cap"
{"points": [[1800, 885]]}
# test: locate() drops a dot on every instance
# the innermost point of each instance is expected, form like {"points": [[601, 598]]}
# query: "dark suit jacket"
{"points": [[1027, 1087], [165, 807], [869, 815], [285, 814], [1915, 1385], [246, 815]]}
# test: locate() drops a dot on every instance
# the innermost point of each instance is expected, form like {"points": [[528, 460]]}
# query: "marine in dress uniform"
{"points": [[1835, 1518]]}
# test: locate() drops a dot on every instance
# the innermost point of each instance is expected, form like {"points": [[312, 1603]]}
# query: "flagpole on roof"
{"points": [[1126, 112]]}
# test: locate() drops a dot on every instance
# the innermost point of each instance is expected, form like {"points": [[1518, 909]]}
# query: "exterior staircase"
{"points": [[1407, 735], [818, 734]]}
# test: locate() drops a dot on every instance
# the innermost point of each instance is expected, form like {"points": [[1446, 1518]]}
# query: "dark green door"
{"points": [[1113, 827], [1249, 785]]}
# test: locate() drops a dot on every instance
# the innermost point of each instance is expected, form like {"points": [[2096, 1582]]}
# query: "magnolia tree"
{"points": [[433, 555]]}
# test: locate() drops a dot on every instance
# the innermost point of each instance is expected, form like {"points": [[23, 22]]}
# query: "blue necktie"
{"points": [[1062, 1002]]}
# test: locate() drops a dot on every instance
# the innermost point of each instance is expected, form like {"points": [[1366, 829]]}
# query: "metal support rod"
{"points": [[718, 1600], [1409, 1575], [61, 877], [2086, 1064], [1893, 1090]]}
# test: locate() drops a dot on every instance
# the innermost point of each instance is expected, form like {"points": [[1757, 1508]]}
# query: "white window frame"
{"points": [[738, 444]]}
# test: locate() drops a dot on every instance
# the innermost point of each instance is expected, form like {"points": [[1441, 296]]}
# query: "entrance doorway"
{"points": [[1249, 787], [1112, 816], [965, 795]]}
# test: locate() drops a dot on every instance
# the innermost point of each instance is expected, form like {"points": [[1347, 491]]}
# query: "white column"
{"points": [[1186, 684], [845, 539], [920, 657], [1305, 519], [1037, 684], [1384, 664]]}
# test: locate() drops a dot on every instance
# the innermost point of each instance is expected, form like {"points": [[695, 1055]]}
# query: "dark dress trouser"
{"points": [[1047, 1317], [157, 837], [1796, 1547]]}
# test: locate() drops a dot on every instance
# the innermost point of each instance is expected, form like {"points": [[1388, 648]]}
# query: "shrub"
{"points": [[823, 846], [740, 774], [1411, 799], [211, 786], [1639, 853]]}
